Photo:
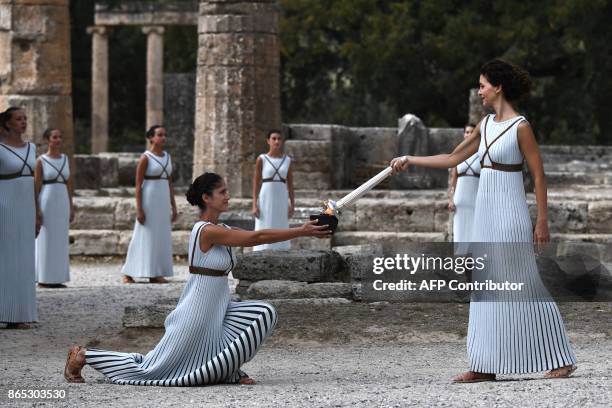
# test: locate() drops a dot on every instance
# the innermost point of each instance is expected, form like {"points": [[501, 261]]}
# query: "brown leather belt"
{"points": [[205, 271], [503, 167], [14, 176]]}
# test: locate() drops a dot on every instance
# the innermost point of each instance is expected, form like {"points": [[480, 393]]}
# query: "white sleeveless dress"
{"points": [[17, 234], [52, 252], [510, 332], [468, 174], [273, 201], [150, 250], [208, 337]]}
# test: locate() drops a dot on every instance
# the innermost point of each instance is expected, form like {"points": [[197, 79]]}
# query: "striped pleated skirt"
{"points": [[511, 331], [207, 339]]}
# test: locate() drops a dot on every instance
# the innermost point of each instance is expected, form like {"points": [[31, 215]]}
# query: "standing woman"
{"points": [[54, 193], [18, 222], [273, 195], [150, 251], [462, 193], [507, 333], [208, 337]]}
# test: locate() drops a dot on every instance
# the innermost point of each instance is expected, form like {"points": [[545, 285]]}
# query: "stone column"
{"points": [[155, 74], [35, 71], [99, 89], [237, 88], [477, 112]]}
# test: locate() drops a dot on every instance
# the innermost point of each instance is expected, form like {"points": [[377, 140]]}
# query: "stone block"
{"points": [[567, 216], [600, 217], [86, 172], [358, 259], [283, 289], [94, 242], [395, 215], [125, 213], [94, 213], [389, 240], [309, 155], [311, 180], [311, 244], [299, 265]]}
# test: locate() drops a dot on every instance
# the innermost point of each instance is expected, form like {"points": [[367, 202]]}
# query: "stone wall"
{"points": [[179, 113], [34, 65]]}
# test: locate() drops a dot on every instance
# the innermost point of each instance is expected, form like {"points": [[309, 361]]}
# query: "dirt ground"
{"points": [[320, 355]]}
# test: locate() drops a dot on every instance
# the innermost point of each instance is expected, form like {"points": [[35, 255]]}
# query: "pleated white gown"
{"points": [[150, 250], [465, 198], [273, 201], [52, 252], [208, 337], [17, 235], [510, 333]]}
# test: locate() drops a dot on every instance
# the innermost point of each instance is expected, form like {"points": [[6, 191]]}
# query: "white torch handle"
{"points": [[364, 188]]}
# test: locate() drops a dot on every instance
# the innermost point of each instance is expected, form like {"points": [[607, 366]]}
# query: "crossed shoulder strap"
{"points": [[24, 161], [469, 168], [196, 243], [276, 170], [163, 166], [495, 165], [59, 171]]}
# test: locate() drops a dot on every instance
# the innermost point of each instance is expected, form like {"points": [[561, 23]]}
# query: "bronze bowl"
{"points": [[325, 219]]}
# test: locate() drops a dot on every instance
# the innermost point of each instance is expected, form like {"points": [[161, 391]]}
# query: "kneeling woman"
{"points": [[208, 337]]}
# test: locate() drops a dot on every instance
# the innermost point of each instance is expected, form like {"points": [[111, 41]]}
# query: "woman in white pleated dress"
{"points": [[18, 222], [150, 250], [208, 337], [54, 192], [509, 331], [463, 187], [273, 194]]}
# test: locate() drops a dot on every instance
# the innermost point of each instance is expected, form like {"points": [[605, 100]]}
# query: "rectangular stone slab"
{"points": [[296, 265]]}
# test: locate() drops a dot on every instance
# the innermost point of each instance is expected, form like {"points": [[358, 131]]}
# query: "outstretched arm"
{"points": [[256, 186], [531, 151], [230, 237], [462, 152]]}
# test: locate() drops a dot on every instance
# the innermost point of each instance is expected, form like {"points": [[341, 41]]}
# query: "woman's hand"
{"points": [[399, 164], [541, 236], [310, 229], [72, 213], [140, 216], [451, 206], [255, 211], [174, 214]]}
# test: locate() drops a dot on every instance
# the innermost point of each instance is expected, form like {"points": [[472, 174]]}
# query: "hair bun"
{"points": [[192, 196]]}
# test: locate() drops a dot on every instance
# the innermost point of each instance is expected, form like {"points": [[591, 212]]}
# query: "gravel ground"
{"points": [[321, 355]]}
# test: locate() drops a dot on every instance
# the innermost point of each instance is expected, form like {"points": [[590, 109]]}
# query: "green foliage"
{"points": [[367, 62]]}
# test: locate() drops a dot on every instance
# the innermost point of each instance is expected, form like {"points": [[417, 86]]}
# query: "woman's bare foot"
{"points": [[472, 377], [158, 279], [561, 372], [246, 380], [74, 364], [18, 326], [128, 279]]}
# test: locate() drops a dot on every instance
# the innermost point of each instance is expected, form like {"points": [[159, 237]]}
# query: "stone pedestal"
{"points": [[99, 89], [35, 72], [155, 75], [237, 88]]}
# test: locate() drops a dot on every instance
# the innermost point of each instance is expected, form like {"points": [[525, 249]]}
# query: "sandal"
{"points": [[128, 279], [472, 377], [72, 370], [561, 372], [158, 279]]}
